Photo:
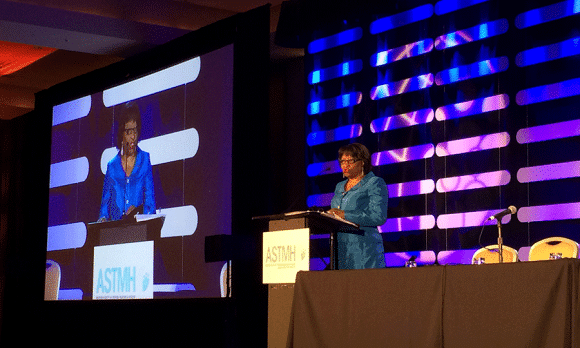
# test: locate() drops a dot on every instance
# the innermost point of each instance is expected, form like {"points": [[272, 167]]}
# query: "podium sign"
{"points": [[123, 271], [284, 254]]}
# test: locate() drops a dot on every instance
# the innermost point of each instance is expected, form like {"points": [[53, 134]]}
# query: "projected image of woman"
{"points": [[129, 178], [362, 198]]}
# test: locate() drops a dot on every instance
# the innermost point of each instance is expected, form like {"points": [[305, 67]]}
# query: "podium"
{"points": [[124, 231], [280, 295], [317, 222], [122, 254]]}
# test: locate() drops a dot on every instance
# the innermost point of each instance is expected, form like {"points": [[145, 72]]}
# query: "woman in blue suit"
{"points": [[362, 198], [129, 179]]}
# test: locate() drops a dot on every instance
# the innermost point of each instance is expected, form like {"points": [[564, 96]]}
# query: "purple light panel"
{"points": [[469, 219], [422, 258], [395, 190], [407, 85], [411, 188], [403, 155], [469, 62], [466, 72], [479, 32], [70, 294], [456, 257], [524, 253], [67, 236], [473, 144], [552, 212], [402, 189], [395, 54], [553, 91], [316, 264], [472, 107], [473, 181], [546, 172], [340, 133], [323, 168], [403, 120], [410, 223], [549, 132]]}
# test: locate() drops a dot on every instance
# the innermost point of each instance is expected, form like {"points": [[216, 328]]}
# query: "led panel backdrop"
{"points": [[186, 115], [467, 107]]}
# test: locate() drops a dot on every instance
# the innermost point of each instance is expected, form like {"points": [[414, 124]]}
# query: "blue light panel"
{"points": [[411, 50], [342, 101], [466, 72], [340, 133], [547, 13], [479, 32], [547, 53], [340, 70], [335, 40], [400, 19], [316, 169], [448, 6], [383, 124], [548, 92], [321, 200], [407, 85]]}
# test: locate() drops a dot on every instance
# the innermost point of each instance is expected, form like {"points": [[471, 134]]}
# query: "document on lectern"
{"points": [[323, 213]]}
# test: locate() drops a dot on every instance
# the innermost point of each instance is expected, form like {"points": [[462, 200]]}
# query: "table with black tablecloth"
{"points": [[524, 304]]}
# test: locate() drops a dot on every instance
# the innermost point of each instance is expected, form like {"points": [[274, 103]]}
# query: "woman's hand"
{"points": [[337, 212]]}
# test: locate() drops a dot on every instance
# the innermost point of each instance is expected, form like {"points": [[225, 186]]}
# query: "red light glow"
{"points": [[15, 56]]}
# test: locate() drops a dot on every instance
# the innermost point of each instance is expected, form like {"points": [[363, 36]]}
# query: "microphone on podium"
{"points": [[510, 210]]}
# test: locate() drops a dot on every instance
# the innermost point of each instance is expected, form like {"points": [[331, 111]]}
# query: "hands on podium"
{"points": [[336, 212]]}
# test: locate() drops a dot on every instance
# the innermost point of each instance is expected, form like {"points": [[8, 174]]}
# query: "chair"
{"points": [[226, 279], [491, 254], [563, 247], [52, 281]]}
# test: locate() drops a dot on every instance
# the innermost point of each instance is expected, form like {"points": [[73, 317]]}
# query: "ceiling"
{"points": [[62, 39]]}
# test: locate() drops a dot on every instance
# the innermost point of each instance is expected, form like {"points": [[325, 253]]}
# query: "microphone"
{"points": [[510, 210]]}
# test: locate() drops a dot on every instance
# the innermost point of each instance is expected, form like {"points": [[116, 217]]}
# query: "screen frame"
{"points": [[249, 34]]}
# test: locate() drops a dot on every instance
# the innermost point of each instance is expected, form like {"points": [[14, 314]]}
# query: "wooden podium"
{"points": [[280, 295]]}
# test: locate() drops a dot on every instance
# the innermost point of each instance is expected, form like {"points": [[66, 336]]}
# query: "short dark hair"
{"points": [[357, 151], [126, 112]]}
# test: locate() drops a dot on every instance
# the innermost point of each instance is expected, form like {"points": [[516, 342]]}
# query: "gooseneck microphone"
{"points": [[510, 210]]}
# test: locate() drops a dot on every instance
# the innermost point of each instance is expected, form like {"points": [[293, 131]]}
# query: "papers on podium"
{"points": [[322, 213]]}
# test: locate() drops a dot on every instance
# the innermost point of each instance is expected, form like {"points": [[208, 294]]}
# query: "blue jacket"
{"points": [[120, 192], [366, 205]]}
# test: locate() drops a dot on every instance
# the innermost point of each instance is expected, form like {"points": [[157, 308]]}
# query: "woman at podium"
{"points": [[129, 177], [362, 198]]}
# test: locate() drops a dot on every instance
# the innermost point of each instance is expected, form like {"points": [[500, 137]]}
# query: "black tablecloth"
{"points": [[526, 304]]}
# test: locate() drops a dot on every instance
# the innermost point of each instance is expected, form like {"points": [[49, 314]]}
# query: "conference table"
{"points": [[523, 304]]}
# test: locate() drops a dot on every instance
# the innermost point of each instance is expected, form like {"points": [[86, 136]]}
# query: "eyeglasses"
{"points": [[131, 131], [348, 161]]}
